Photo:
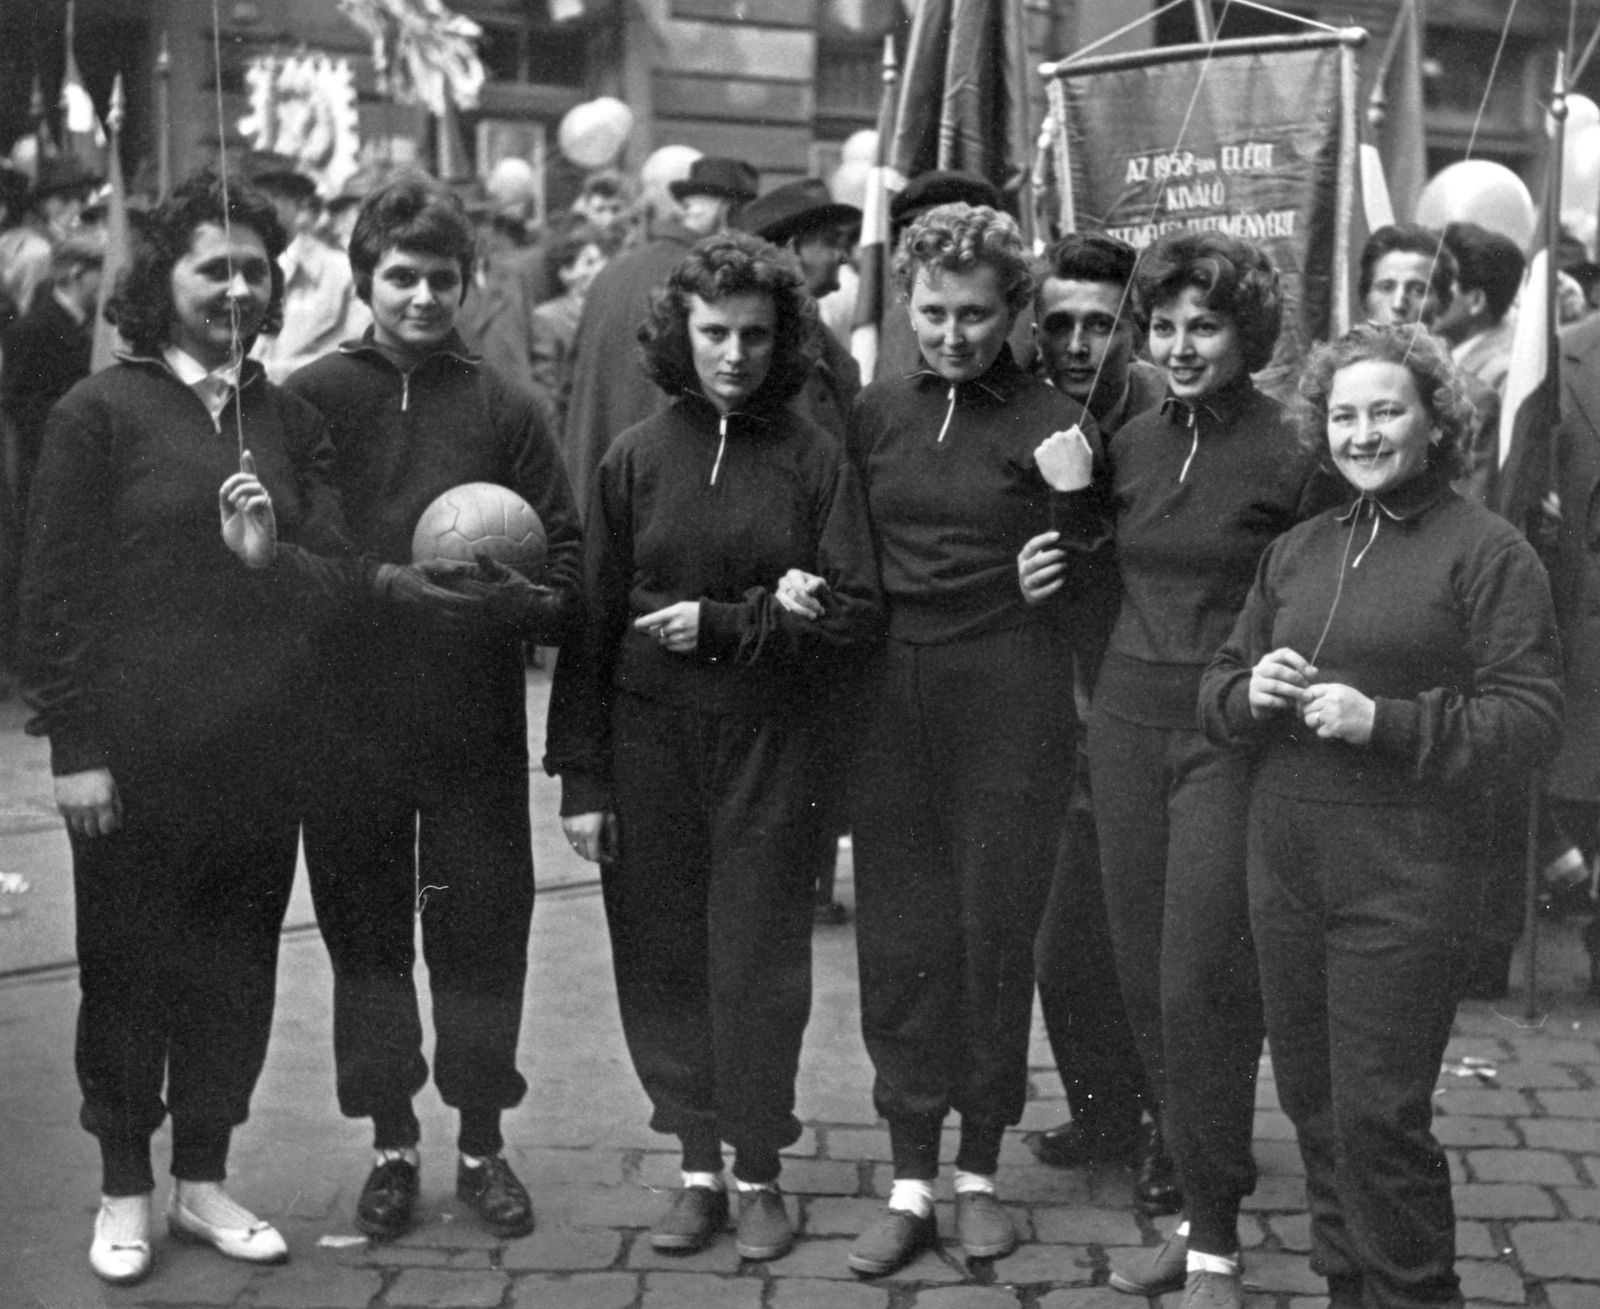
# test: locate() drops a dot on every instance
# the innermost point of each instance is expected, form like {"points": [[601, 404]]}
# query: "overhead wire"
{"points": [[236, 347]]}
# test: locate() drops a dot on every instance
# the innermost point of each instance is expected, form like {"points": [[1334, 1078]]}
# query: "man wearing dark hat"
{"points": [[610, 391], [898, 355], [320, 306], [61, 193]]}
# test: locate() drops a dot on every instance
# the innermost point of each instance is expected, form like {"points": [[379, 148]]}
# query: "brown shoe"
{"points": [[697, 1214], [983, 1226], [1155, 1273], [764, 1230], [893, 1241]]}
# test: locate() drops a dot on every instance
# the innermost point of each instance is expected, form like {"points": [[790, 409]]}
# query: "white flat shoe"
{"points": [[124, 1261], [253, 1241]]}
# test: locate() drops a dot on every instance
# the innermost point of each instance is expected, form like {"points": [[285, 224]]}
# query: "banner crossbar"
{"points": [[1353, 37]]}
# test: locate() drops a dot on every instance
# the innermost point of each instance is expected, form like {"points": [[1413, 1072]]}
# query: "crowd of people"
{"points": [[1208, 717]]}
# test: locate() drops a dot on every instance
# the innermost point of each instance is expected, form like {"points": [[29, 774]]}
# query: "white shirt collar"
{"points": [[212, 385]]}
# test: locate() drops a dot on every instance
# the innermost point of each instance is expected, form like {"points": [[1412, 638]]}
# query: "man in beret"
{"points": [[610, 391]]}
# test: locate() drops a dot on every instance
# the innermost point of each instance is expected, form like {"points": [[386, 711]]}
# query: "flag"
{"points": [[82, 136], [1394, 162], [872, 260], [119, 253], [970, 59], [1531, 404]]}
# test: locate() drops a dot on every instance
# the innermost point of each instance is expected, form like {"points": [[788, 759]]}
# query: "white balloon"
{"points": [[848, 185], [1478, 191], [591, 133], [862, 145]]}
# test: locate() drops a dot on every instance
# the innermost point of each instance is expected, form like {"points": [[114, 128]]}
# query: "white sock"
{"points": [[912, 1195], [745, 1186], [124, 1219], [472, 1160], [1182, 1229], [1196, 1262], [208, 1202], [409, 1154], [711, 1181], [967, 1182]]}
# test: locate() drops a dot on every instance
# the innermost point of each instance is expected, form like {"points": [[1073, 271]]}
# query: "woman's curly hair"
{"points": [[957, 238], [733, 263], [1234, 277], [141, 308], [1439, 386]]}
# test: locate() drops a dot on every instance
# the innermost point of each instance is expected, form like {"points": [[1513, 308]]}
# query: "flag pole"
{"points": [[875, 245], [163, 119], [103, 352], [1552, 233], [1205, 30]]}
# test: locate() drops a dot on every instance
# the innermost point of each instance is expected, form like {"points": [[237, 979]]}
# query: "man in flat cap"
{"points": [[610, 391]]}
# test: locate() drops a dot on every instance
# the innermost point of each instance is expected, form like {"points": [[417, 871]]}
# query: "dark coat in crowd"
{"points": [[46, 351]]}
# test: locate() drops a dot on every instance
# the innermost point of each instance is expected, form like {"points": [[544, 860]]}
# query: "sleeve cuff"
{"points": [[583, 793], [1395, 725], [71, 752], [1076, 515], [721, 628]]}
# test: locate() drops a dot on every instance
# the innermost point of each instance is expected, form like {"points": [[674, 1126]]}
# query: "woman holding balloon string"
{"points": [[1394, 661], [170, 681], [728, 576]]}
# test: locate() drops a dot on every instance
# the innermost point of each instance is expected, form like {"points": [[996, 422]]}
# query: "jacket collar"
{"points": [[1219, 409], [250, 370], [1403, 503], [452, 348], [698, 409], [1002, 381]]}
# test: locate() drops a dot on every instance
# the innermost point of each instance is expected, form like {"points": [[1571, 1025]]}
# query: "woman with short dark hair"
{"points": [[966, 762], [1200, 487], [728, 571], [169, 679], [1394, 661]]}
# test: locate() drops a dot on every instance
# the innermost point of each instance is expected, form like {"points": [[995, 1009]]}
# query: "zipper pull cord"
{"points": [[405, 391], [1338, 590], [722, 445], [1194, 424], [948, 413]]}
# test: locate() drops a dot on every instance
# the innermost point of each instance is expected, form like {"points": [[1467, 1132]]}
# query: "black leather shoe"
{"points": [[1072, 1146], [1156, 1190], [496, 1196], [388, 1203]]}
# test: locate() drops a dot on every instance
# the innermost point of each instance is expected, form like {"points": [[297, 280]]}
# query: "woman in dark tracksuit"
{"points": [[728, 575], [1395, 662], [1200, 487], [965, 769], [170, 679]]}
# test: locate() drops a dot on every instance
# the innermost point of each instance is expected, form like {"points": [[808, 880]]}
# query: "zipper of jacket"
{"points": [[722, 446]]}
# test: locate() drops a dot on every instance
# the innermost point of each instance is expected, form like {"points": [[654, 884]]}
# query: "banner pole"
{"points": [[1344, 198]]}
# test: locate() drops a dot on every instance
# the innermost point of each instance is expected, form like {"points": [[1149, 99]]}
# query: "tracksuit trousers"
{"points": [[1079, 996], [1171, 811], [709, 907], [962, 782], [1361, 915], [432, 827], [178, 917]]}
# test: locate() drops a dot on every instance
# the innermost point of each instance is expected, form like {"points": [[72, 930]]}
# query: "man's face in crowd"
{"points": [[1085, 337], [1402, 290]]}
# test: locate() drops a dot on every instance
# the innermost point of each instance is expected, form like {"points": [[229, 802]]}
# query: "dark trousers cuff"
{"points": [[914, 1143], [480, 1132], [125, 1167], [702, 1151], [200, 1151], [979, 1151], [395, 1127], [758, 1165]]}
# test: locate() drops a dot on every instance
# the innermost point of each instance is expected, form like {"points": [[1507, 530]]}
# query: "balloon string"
{"points": [[1472, 141], [1155, 204], [235, 350]]}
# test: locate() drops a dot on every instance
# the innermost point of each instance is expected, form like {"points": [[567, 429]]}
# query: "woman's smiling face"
{"points": [[1198, 348], [1378, 428]]}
